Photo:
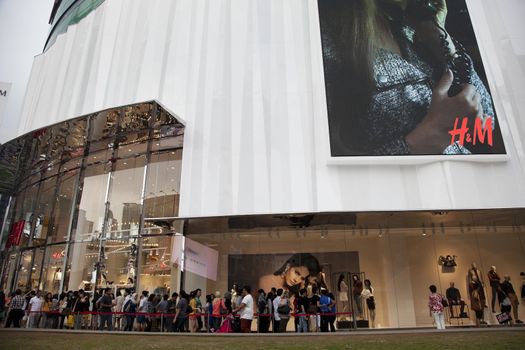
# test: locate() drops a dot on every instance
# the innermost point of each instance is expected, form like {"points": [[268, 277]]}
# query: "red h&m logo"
{"points": [[480, 131]]}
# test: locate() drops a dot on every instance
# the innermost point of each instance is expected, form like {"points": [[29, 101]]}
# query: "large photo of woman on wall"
{"points": [[405, 77], [291, 272]]}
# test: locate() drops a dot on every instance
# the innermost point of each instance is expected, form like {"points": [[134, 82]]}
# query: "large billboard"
{"points": [[405, 77], [291, 271]]}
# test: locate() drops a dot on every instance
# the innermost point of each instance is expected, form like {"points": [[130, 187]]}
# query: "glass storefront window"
{"points": [[163, 185], [82, 266], [125, 197], [8, 272], [136, 117], [157, 273], [52, 272], [92, 208], [24, 270], [25, 207], [43, 210], [64, 206]]}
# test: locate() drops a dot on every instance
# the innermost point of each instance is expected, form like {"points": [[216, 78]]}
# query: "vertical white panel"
{"points": [[247, 77]]}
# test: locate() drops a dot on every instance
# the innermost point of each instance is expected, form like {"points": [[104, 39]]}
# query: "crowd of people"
{"points": [[312, 309]]}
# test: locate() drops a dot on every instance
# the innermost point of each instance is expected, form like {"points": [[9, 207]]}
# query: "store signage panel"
{"points": [[5, 89]]}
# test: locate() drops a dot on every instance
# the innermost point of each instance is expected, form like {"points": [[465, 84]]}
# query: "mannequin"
{"points": [[342, 289], [476, 291], [368, 295], [494, 281], [356, 292]]}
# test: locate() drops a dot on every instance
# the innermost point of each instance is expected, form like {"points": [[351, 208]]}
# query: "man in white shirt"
{"points": [[35, 307], [276, 318], [246, 309]]}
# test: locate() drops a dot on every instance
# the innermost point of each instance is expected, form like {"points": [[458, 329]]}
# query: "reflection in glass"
{"points": [[52, 272], [9, 272], [82, 266], [63, 206], [162, 185], [23, 271], [43, 210], [90, 203], [90, 220], [156, 268], [125, 197]]}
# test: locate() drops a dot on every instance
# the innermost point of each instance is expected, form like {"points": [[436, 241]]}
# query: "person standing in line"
{"points": [[283, 310], [104, 306], [119, 303], [16, 310], [200, 309], [45, 320], [162, 308], [208, 308], [300, 312], [35, 308], [181, 313], [494, 281], [262, 310], [169, 325], [141, 319], [219, 310], [324, 303], [193, 314], [246, 309], [435, 304], [79, 308], [129, 308], [275, 304], [313, 308]]}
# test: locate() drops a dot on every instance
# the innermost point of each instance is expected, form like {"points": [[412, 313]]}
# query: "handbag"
{"points": [[284, 309], [70, 321], [503, 317]]}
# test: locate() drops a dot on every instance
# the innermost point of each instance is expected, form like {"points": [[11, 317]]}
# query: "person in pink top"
{"points": [[435, 304], [219, 309]]}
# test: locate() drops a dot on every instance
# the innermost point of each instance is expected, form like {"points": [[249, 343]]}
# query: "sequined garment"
{"points": [[402, 97]]}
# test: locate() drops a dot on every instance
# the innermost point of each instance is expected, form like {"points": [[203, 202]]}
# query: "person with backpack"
{"points": [[283, 309], [264, 313], [129, 308], [325, 304]]}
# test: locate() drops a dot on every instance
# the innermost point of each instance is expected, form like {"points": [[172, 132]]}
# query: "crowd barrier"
{"points": [[162, 316]]}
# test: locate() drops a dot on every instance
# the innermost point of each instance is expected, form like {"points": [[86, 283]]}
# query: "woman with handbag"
{"points": [[219, 310], [284, 310]]}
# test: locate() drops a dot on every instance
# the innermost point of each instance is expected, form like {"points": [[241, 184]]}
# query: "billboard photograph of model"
{"points": [[405, 78]]}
